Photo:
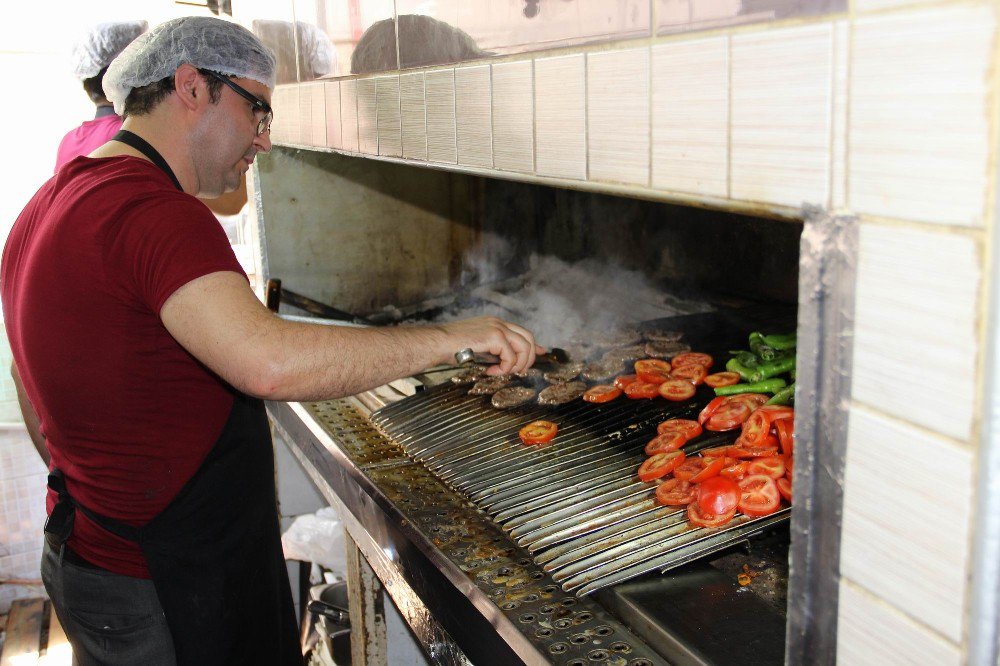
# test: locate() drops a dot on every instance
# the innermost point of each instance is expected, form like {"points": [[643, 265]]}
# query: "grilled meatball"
{"points": [[513, 396], [559, 394], [490, 385], [662, 336], [470, 374], [620, 338], [564, 373], [664, 349], [601, 371], [625, 354]]}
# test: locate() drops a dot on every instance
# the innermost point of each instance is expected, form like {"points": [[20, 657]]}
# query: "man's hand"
{"points": [[514, 344]]}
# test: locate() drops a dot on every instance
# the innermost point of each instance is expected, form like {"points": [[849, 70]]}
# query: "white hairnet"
{"points": [[202, 41], [101, 44]]}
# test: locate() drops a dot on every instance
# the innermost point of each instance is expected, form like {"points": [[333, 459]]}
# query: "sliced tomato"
{"points": [[772, 466], [711, 468], [752, 400], [785, 488], [690, 429], [789, 468], [538, 432], [736, 471], [652, 370], [737, 451], [670, 441], [699, 518], [693, 372], [602, 393], [722, 379], [786, 435], [770, 441], [755, 429], [641, 390], [660, 465], [677, 390], [687, 469], [687, 358], [622, 381], [759, 496], [728, 417], [714, 452], [710, 409], [778, 411], [675, 492], [718, 495]]}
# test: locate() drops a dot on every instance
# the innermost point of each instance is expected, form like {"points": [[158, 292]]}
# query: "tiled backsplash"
{"points": [[22, 513]]}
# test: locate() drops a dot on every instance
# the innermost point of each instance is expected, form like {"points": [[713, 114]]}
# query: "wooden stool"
{"points": [[34, 636]]}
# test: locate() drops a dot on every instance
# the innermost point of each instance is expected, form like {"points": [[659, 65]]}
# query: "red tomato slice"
{"points": [[786, 435], [785, 488], [601, 393], [770, 441], [728, 417], [735, 471], [674, 492], [690, 429], [640, 390], [711, 468], [677, 390], [660, 465], [737, 451], [538, 432], [698, 518], [670, 441], [687, 469], [778, 411], [718, 495], [760, 496], [687, 358], [755, 429], [652, 370], [772, 466], [722, 379], [622, 381], [714, 452], [693, 372], [789, 467], [710, 409], [752, 400]]}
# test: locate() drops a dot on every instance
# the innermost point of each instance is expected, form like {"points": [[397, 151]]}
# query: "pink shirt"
{"points": [[87, 137]]}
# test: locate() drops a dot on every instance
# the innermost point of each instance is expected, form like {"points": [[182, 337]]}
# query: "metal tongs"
{"points": [[554, 356]]}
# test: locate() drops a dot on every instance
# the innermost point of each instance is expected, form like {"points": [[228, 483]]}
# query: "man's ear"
{"points": [[190, 87]]}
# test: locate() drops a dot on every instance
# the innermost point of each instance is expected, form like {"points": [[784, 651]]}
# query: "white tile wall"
{"points": [[473, 118], [305, 111], [841, 58], [919, 128], [349, 114], [287, 114], [513, 117], [333, 120], [440, 94], [691, 116], [22, 513], [560, 117], [319, 115], [618, 116], [872, 633], [915, 342], [367, 117], [412, 109], [907, 508], [781, 115], [389, 133]]}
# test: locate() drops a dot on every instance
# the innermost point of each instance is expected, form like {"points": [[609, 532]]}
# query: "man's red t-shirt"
{"points": [[127, 413]]}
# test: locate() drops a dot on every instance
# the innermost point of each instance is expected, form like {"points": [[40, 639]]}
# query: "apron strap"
{"points": [[59, 524], [140, 144]]}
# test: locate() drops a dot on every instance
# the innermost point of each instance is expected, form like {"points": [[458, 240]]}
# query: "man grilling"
{"points": [[141, 356]]}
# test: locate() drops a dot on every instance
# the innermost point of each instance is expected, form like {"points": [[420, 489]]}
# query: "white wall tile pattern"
{"points": [[318, 120], [907, 505], [412, 109], [560, 117], [781, 115], [691, 116], [333, 121], [22, 513], [367, 117], [305, 111], [841, 58], [473, 118], [915, 326], [919, 114], [349, 114], [440, 95], [513, 117], [389, 133], [618, 116], [872, 633], [289, 126]]}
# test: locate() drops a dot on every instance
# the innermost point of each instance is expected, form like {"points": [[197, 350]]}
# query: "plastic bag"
{"points": [[319, 538]]}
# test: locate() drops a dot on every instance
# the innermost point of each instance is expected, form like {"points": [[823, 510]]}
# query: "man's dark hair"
{"points": [[94, 87], [143, 100]]}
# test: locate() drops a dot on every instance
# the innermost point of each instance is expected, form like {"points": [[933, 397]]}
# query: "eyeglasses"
{"points": [[259, 105]]}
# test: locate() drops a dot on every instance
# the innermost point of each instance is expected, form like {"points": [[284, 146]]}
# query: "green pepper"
{"points": [[766, 386], [746, 358], [772, 368], [784, 396], [734, 365], [780, 342]]}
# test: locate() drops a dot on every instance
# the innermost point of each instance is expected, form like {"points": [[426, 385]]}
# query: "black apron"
{"points": [[214, 553]]}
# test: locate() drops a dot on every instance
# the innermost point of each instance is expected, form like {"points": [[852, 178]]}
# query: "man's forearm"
{"points": [[31, 421]]}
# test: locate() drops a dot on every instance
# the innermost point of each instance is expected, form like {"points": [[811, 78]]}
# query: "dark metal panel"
{"points": [[827, 268]]}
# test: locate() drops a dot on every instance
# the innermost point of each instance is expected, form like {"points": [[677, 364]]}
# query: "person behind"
{"points": [[91, 57], [141, 358]]}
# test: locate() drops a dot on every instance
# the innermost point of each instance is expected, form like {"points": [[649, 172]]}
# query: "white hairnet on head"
{"points": [[101, 44], [201, 41]]}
